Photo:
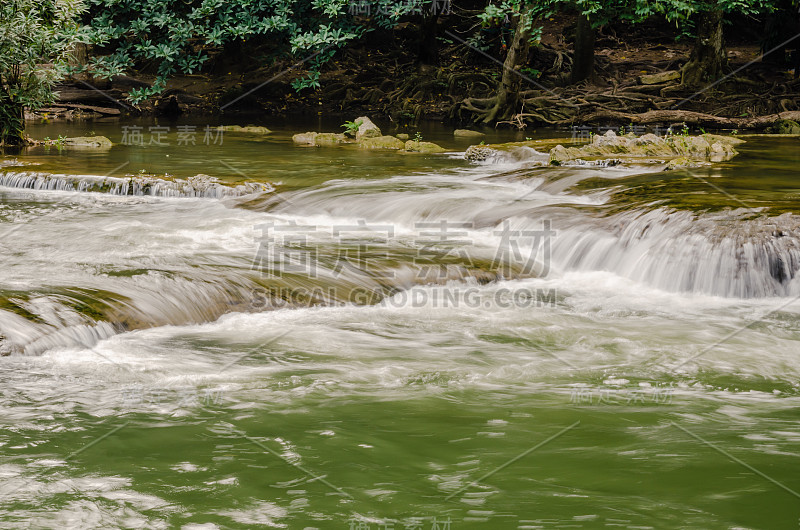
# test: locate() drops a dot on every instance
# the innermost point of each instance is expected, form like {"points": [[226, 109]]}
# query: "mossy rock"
{"points": [[85, 142], [560, 154], [785, 127], [413, 146], [249, 129], [381, 142], [466, 133], [315, 139], [704, 147], [325, 139], [681, 162], [402, 136]]}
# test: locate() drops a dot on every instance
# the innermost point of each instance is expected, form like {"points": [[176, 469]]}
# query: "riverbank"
{"points": [[637, 81]]}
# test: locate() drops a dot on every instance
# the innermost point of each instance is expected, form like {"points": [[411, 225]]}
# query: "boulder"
{"points": [[403, 136], [560, 154], [366, 129], [315, 139], [479, 153], [413, 146], [381, 142], [466, 133], [90, 142], [721, 152]]}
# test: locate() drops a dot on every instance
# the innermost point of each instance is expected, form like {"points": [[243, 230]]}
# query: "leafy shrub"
{"points": [[34, 34]]}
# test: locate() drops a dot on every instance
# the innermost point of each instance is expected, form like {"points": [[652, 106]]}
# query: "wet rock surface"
{"points": [[640, 149]]}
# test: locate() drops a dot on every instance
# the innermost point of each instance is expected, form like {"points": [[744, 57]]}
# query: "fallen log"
{"points": [[100, 110], [683, 116]]}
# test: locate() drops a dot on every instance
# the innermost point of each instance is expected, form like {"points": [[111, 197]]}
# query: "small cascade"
{"points": [[718, 254], [202, 186]]}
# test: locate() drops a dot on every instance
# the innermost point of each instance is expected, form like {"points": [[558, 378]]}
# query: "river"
{"points": [[344, 339]]}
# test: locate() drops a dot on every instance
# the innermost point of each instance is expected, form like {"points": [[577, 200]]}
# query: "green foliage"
{"points": [[418, 137], [179, 36], [309, 81], [36, 37], [351, 127], [532, 73]]}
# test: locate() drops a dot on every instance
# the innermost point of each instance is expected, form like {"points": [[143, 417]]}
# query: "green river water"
{"points": [[167, 367]]}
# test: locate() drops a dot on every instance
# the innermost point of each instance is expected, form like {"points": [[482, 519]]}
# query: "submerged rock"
{"points": [[466, 133], [249, 129], [84, 142], [366, 129], [381, 142], [413, 146]]}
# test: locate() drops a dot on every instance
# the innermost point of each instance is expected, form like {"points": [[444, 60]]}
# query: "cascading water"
{"points": [[716, 254], [198, 186], [211, 354]]}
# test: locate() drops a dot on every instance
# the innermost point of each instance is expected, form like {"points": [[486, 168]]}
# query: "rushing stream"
{"points": [[334, 338]]}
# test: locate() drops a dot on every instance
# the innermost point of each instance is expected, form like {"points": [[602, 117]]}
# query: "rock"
{"points": [[413, 146], [466, 133], [249, 129], [90, 142], [479, 153], [689, 145], [662, 77], [327, 139], [785, 127], [403, 136], [681, 163], [728, 140], [315, 139], [306, 138], [366, 129], [381, 142], [559, 155], [704, 147], [721, 152]]}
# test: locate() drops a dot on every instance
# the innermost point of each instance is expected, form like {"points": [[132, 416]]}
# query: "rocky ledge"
{"points": [[674, 151]]}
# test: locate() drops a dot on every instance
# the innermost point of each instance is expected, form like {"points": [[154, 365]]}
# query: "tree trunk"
{"points": [[507, 98], [708, 56], [12, 122], [428, 51], [583, 63]]}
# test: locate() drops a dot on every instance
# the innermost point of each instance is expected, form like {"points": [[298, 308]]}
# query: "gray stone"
{"points": [[366, 128]]}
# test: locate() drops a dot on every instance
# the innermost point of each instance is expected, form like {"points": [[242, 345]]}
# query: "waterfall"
{"points": [[197, 186], [719, 254]]}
